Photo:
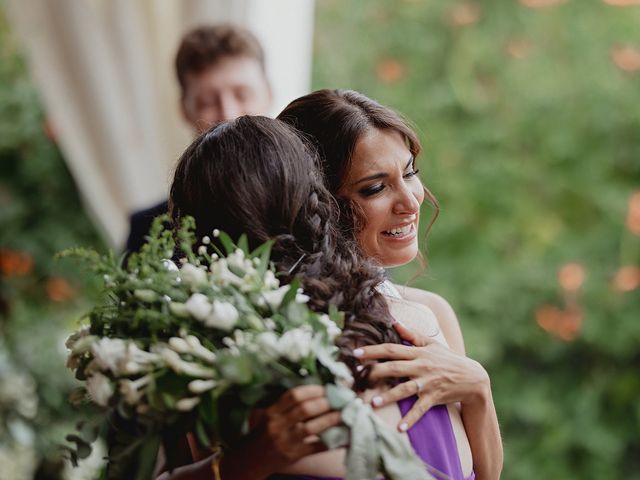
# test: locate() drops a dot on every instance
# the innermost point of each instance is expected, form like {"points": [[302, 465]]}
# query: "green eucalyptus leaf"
{"points": [[243, 243], [227, 243]]}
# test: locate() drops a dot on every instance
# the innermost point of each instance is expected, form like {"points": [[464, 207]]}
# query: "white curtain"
{"points": [[104, 69]]}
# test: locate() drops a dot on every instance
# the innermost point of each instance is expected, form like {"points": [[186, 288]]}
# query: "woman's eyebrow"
{"points": [[376, 176]]}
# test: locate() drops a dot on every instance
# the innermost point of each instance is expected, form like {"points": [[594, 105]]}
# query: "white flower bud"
{"points": [[270, 280], [179, 345], [173, 360], [332, 329], [201, 386], [274, 297], [224, 276], [202, 250], [198, 306], [169, 265], [99, 388], [199, 350], [302, 298], [133, 390], [193, 275], [206, 240], [179, 310], [223, 316], [145, 295], [187, 404]]}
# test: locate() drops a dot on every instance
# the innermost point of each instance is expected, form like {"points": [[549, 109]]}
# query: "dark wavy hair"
{"points": [[334, 121], [257, 176]]}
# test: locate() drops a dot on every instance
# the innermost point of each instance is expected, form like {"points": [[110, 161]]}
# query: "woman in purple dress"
{"points": [[369, 154]]}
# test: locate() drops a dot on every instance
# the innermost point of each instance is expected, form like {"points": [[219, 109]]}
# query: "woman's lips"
{"points": [[404, 233]]}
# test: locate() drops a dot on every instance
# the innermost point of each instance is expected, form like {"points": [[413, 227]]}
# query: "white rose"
{"points": [[99, 388], [295, 344], [274, 297], [193, 275], [199, 306], [267, 343], [223, 316]]}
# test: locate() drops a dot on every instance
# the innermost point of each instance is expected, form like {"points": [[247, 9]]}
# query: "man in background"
{"points": [[221, 72]]}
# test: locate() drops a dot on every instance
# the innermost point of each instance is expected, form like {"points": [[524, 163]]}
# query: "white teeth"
{"points": [[399, 231]]}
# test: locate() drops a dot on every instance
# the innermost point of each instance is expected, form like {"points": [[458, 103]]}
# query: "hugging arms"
{"points": [[255, 176]]}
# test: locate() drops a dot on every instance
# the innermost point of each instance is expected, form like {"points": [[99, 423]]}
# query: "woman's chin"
{"points": [[398, 258]]}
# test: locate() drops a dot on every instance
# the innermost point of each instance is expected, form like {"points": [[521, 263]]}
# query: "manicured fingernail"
{"points": [[359, 368], [403, 427], [376, 401], [358, 352]]}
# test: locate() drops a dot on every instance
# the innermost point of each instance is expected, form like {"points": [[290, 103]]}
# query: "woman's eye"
{"points": [[372, 190], [412, 173]]}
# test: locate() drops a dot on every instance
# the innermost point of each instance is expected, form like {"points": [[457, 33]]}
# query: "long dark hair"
{"points": [[334, 121], [255, 175]]}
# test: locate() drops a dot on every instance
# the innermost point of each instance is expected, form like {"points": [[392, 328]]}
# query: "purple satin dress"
{"points": [[432, 439]]}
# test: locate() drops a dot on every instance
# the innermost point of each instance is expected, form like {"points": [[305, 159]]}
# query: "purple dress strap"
{"points": [[432, 439]]}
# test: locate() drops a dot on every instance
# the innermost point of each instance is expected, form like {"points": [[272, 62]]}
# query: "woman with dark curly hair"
{"points": [[368, 153], [256, 176]]}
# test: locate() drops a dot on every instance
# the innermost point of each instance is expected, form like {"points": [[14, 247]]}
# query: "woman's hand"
{"points": [[437, 375], [287, 431]]}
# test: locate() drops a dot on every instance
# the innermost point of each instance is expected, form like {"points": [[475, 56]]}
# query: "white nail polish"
{"points": [[376, 401], [358, 352], [403, 427], [359, 368]]}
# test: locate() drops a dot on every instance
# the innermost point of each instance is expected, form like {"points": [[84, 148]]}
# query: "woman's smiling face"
{"points": [[383, 183]]}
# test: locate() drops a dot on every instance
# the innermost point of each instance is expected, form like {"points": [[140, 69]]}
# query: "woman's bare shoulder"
{"points": [[443, 311]]}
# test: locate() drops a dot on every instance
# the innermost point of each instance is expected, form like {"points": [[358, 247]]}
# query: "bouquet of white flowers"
{"points": [[196, 348]]}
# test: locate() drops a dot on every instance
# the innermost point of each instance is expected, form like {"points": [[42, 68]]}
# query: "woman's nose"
{"points": [[407, 201]]}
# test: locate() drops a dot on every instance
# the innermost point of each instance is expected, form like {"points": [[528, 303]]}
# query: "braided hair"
{"points": [[256, 176]]}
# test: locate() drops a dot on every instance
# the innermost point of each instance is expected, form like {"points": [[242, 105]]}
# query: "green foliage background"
{"points": [[532, 145], [533, 160], [40, 214]]}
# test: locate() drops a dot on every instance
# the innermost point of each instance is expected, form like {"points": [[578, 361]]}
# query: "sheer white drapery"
{"points": [[104, 69]]}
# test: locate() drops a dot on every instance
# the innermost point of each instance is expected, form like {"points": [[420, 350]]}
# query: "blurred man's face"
{"points": [[231, 87]]}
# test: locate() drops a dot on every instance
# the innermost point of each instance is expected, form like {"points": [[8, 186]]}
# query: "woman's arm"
{"points": [[447, 376], [288, 432]]}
